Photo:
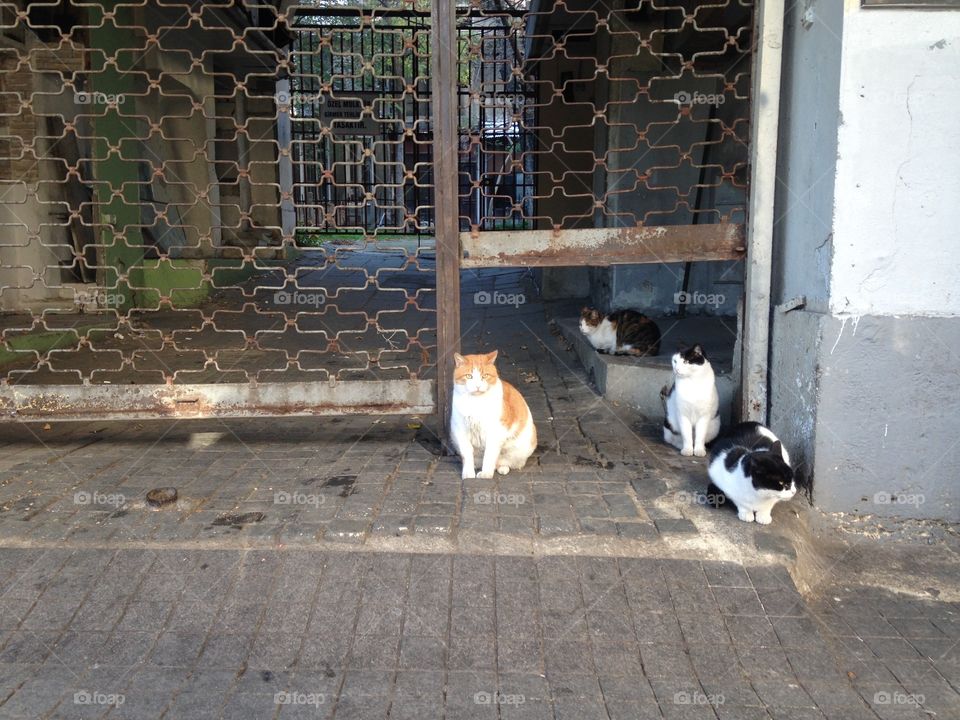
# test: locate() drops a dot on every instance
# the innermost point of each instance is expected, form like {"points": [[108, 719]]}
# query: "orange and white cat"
{"points": [[489, 417]]}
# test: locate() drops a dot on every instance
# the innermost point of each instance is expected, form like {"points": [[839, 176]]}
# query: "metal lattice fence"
{"points": [[161, 199], [627, 121], [235, 207]]}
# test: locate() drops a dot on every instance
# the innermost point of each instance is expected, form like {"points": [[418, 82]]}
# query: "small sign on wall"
{"points": [[345, 116]]}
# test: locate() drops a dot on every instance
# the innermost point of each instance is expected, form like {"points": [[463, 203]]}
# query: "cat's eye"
{"points": [[487, 376]]}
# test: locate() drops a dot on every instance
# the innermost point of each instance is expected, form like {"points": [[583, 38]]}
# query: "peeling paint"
{"points": [[843, 324]]}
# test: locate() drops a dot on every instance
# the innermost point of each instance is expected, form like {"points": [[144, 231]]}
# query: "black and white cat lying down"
{"points": [[750, 467]]}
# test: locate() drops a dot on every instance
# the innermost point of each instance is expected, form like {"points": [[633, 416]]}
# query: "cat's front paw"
{"points": [[686, 452], [764, 519], [700, 451], [745, 515], [503, 469], [485, 474], [468, 473]]}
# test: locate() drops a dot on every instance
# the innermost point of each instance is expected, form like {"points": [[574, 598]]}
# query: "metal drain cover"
{"points": [[159, 497]]}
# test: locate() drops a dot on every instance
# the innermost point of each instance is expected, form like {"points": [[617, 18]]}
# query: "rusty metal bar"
{"points": [[443, 36], [603, 246], [146, 402]]}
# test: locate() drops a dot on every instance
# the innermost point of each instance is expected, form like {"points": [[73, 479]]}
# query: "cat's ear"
{"points": [[491, 357], [697, 349], [459, 360], [777, 449]]}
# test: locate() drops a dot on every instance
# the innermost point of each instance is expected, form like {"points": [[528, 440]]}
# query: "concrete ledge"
{"points": [[637, 381], [198, 400]]}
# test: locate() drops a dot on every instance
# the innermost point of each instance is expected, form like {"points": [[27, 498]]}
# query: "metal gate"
{"points": [[635, 123], [239, 208], [185, 238]]}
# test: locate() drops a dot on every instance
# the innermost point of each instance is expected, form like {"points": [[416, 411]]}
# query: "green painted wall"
{"points": [[116, 135]]}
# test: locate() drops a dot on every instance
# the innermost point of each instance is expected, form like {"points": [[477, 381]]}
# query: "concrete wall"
{"points": [[864, 386], [714, 288], [886, 423], [32, 213], [806, 170], [898, 184]]}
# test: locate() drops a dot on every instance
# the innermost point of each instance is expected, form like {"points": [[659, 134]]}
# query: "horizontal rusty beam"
{"points": [[150, 402], [602, 246]]}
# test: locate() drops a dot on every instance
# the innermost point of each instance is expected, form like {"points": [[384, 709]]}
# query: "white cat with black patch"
{"points": [[750, 467], [691, 405]]}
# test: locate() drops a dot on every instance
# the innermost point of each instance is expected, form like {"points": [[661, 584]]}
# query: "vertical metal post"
{"points": [[763, 181], [443, 52], [284, 102]]}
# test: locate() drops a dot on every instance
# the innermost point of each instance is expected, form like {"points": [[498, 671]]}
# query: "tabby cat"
{"points": [[624, 332]]}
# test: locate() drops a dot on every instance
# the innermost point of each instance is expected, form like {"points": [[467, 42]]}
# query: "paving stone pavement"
{"points": [[337, 568], [302, 633], [600, 471]]}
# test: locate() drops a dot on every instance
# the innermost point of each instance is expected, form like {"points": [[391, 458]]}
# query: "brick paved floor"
{"points": [[902, 652], [300, 633], [340, 568], [293, 633], [600, 471]]}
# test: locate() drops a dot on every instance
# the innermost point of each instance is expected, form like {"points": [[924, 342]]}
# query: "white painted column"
{"points": [[763, 181], [288, 213]]}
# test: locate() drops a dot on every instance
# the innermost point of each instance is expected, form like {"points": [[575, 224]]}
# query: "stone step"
{"points": [[637, 381]]}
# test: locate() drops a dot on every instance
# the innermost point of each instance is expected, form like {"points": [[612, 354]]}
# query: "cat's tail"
{"points": [[664, 394]]}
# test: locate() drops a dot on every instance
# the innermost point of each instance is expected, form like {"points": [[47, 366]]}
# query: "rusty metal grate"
{"points": [[229, 207], [188, 230], [626, 122], [369, 171]]}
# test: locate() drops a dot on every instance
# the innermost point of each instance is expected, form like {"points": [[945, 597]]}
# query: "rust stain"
{"points": [[676, 243]]}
